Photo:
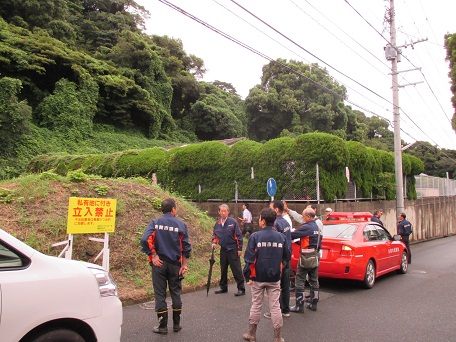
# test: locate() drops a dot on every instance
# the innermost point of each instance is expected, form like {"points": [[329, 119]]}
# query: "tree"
{"points": [[218, 114], [36, 13], [15, 115], [378, 134], [183, 70], [70, 110], [450, 45], [436, 162], [228, 87], [295, 96]]}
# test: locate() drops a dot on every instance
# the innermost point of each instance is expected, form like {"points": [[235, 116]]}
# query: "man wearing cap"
{"points": [[328, 212]]}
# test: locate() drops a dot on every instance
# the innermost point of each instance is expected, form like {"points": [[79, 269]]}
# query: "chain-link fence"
{"points": [[429, 186], [301, 184]]}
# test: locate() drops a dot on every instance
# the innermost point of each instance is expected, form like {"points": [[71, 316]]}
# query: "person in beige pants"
{"points": [[265, 252]]}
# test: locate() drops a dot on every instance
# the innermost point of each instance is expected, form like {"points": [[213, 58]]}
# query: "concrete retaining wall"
{"points": [[431, 217]]}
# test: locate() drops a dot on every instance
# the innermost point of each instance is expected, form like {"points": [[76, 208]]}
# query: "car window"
{"points": [[384, 234], [343, 231], [9, 258], [371, 233]]}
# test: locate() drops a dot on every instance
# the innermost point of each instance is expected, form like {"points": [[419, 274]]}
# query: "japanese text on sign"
{"points": [[91, 215]]}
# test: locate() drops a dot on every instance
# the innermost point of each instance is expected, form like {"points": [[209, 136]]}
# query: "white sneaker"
{"points": [[268, 314]]}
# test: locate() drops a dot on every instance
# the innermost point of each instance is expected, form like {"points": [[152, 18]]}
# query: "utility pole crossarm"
{"points": [[409, 84], [412, 43]]}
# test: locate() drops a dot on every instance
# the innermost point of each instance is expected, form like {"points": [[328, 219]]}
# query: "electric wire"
{"points": [[368, 23], [410, 63], [310, 53], [318, 23], [437, 146], [429, 86], [340, 29], [236, 41], [262, 32], [289, 68], [353, 39], [425, 45]]}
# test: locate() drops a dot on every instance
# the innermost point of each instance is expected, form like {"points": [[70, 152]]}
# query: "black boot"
{"points": [[176, 320], [312, 305], [162, 323], [299, 303]]}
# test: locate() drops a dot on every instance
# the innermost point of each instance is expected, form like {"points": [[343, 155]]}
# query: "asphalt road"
{"points": [[417, 306]]}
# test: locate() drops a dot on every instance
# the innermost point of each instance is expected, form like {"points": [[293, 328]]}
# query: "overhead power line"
{"points": [[236, 41], [293, 52], [310, 53], [400, 53]]}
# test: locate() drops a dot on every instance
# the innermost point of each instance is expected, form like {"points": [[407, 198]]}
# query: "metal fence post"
{"points": [[317, 176], [236, 191]]}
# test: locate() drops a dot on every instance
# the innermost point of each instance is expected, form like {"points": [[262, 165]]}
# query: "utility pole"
{"points": [[396, 116], [393, 53]]}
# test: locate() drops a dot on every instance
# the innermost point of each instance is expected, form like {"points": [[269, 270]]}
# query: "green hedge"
{"points": [[210, 170]]}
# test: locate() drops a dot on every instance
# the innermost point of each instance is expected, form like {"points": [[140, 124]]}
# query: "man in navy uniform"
{"points": [[228, 235], [404, 229], [263, 257], [166, 243]]}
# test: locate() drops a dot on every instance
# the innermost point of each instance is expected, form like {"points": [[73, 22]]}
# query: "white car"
{"points": [[44, 298]]}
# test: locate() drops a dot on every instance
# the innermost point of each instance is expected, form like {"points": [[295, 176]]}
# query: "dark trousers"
{"points": [[406, 240], [285, 288], [231, 258], [162, 277], [247, 227], [301, 276]]}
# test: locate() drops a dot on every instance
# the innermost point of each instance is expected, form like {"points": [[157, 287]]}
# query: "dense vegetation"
{"points": [[210, 169], [81, 77], [450, 44]]}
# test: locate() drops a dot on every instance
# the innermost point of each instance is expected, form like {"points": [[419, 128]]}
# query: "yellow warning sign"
{"points": [[91, 215]]}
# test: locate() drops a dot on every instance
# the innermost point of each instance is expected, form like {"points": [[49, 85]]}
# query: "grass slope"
{"points": [[34, 208]]}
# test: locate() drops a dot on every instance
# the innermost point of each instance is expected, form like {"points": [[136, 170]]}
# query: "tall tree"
{"points": [[218, 114], [184, 71], [377, 129], [450, 45], [297, 96]]}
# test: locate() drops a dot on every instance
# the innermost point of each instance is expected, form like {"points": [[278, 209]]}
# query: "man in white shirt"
{"points": [[246, 220]]}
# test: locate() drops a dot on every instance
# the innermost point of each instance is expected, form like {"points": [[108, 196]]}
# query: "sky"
{"points": [[347, 37]]}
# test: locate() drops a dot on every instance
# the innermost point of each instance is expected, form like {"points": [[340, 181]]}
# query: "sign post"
{"points": [[87, 216], [271, 187]]}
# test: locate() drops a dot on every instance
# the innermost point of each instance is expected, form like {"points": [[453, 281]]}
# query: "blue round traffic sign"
{"points": [[271, 186]]}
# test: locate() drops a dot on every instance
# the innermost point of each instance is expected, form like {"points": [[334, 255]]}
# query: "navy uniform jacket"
{"points": [[404, 228], [264, 254], [168, 237], [229, 235], [376, 219], [282, 226], [308, 233]]}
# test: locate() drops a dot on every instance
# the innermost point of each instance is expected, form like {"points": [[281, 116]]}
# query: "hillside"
{"points": [[34, 209]]}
